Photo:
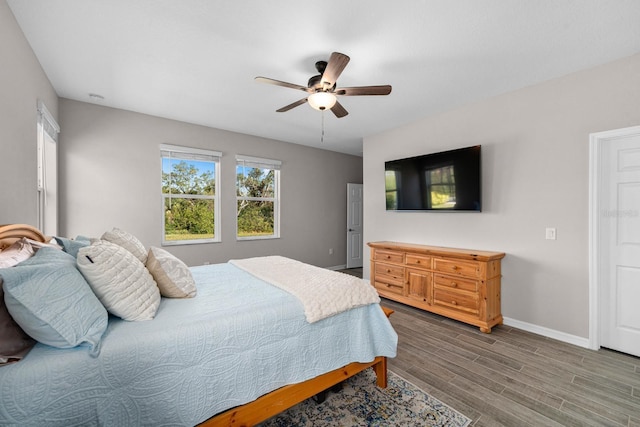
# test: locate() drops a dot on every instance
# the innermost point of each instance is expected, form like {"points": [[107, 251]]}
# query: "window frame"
{"points": [[262, 163], [47, 130], [189, 153]]}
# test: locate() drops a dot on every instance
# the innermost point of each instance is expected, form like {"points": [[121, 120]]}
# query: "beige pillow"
{"points": [[127, 241], [119, 280], [171, 274], [19, 251]]}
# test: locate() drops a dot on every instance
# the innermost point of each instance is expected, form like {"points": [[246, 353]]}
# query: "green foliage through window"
{"points": [[257, 203], [189, 197]]}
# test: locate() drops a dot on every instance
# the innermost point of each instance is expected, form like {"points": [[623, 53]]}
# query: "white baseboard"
{"points": [[546, 332], [539, 330], [337, 267]]}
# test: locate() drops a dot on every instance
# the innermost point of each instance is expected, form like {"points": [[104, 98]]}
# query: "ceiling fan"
{"points": [[322, 87]]}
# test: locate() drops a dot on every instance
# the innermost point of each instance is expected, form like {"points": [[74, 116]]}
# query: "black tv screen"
{"points": [[446, 181]]}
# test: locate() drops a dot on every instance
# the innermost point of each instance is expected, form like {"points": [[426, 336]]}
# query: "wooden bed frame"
{"points": [[285, 397], [9, 233], [267, 405]]}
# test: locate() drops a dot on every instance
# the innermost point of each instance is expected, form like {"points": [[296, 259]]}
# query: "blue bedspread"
{"points": [[237, 340]]}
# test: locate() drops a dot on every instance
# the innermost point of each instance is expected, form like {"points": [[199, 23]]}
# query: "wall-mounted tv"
{"points": [[445, 181]]}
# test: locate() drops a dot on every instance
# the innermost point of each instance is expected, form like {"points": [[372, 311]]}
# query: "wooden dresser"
{"points": [[457, 283]]}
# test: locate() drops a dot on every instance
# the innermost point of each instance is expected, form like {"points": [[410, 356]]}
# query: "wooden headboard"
{"points": [[9, 233]]}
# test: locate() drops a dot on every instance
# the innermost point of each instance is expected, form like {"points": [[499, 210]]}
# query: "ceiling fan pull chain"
{"points": [[322, 134]]}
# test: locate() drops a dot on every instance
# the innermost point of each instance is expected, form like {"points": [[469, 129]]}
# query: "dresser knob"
{"points": [[454, 268], [454, 284], [454, 303]]}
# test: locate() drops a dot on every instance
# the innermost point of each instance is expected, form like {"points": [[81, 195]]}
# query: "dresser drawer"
{"points": [[455, 282], [463, 301], [420, 261], [462, 268], [389, 270], [394, 288], [389, 256]]}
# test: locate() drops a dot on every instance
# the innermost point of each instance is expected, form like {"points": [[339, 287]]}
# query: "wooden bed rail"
{"points": [[285, 397]]}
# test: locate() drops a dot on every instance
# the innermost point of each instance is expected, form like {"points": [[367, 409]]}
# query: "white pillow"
{"points": [[120, 280], [171, 274], [127, 241]]}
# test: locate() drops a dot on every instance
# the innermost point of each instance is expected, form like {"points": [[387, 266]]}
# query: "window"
{"points": [[258, 199], [47, 150], [190, 195]]}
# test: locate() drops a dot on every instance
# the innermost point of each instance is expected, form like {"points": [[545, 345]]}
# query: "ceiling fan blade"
{"points": [[283, 84], [335, 66], [339, 110], [364, 90], [292, 105]]}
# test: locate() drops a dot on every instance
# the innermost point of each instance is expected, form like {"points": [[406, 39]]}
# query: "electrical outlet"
{"points": [[330, 251], [550, 234]]}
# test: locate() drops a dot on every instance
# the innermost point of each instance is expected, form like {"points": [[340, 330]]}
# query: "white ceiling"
{"points": [[195, 60]]}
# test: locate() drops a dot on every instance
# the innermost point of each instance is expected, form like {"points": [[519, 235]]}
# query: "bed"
{"points": [[237, 353]]}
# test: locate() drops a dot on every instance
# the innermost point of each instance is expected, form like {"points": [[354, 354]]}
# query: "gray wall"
{"points": [[110, 176], [535, 148], [22, 84]]}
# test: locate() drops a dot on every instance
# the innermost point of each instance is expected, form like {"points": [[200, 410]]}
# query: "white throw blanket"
{"points": [[322, 292]]}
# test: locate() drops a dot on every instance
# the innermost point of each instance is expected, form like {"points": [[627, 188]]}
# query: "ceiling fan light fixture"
{"points": [[321, 91], [322, 100]]}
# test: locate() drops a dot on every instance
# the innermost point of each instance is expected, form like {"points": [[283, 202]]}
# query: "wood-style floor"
{"points": [[514, 378]]}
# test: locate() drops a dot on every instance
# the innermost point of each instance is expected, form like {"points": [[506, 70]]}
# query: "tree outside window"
{"points": [[257, 188], [190, 199]]}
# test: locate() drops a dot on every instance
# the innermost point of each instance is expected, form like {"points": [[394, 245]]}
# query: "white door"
{"points": [[354, 225], [619, 241]]}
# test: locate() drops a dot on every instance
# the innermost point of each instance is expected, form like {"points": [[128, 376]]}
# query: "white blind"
{"points": [[48, 123], [47, 164], [187, 153], [257, 162]]}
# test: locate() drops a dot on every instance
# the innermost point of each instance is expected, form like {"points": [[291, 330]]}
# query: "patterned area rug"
{"points": [[362, 403]]}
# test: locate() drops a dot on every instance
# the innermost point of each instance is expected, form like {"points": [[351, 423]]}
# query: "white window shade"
{"points": [[257, 162], [48, 123], [47, 165], [186, 153]]}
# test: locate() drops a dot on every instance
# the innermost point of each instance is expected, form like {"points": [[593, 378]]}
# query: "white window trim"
{"points": [[259, 162], [188, 153]]}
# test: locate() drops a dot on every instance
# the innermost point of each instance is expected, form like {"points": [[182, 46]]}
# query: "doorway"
{"points": [[614, 236]]}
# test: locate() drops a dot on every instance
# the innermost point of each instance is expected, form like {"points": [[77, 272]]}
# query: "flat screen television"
{"points": [[445, 181]]}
